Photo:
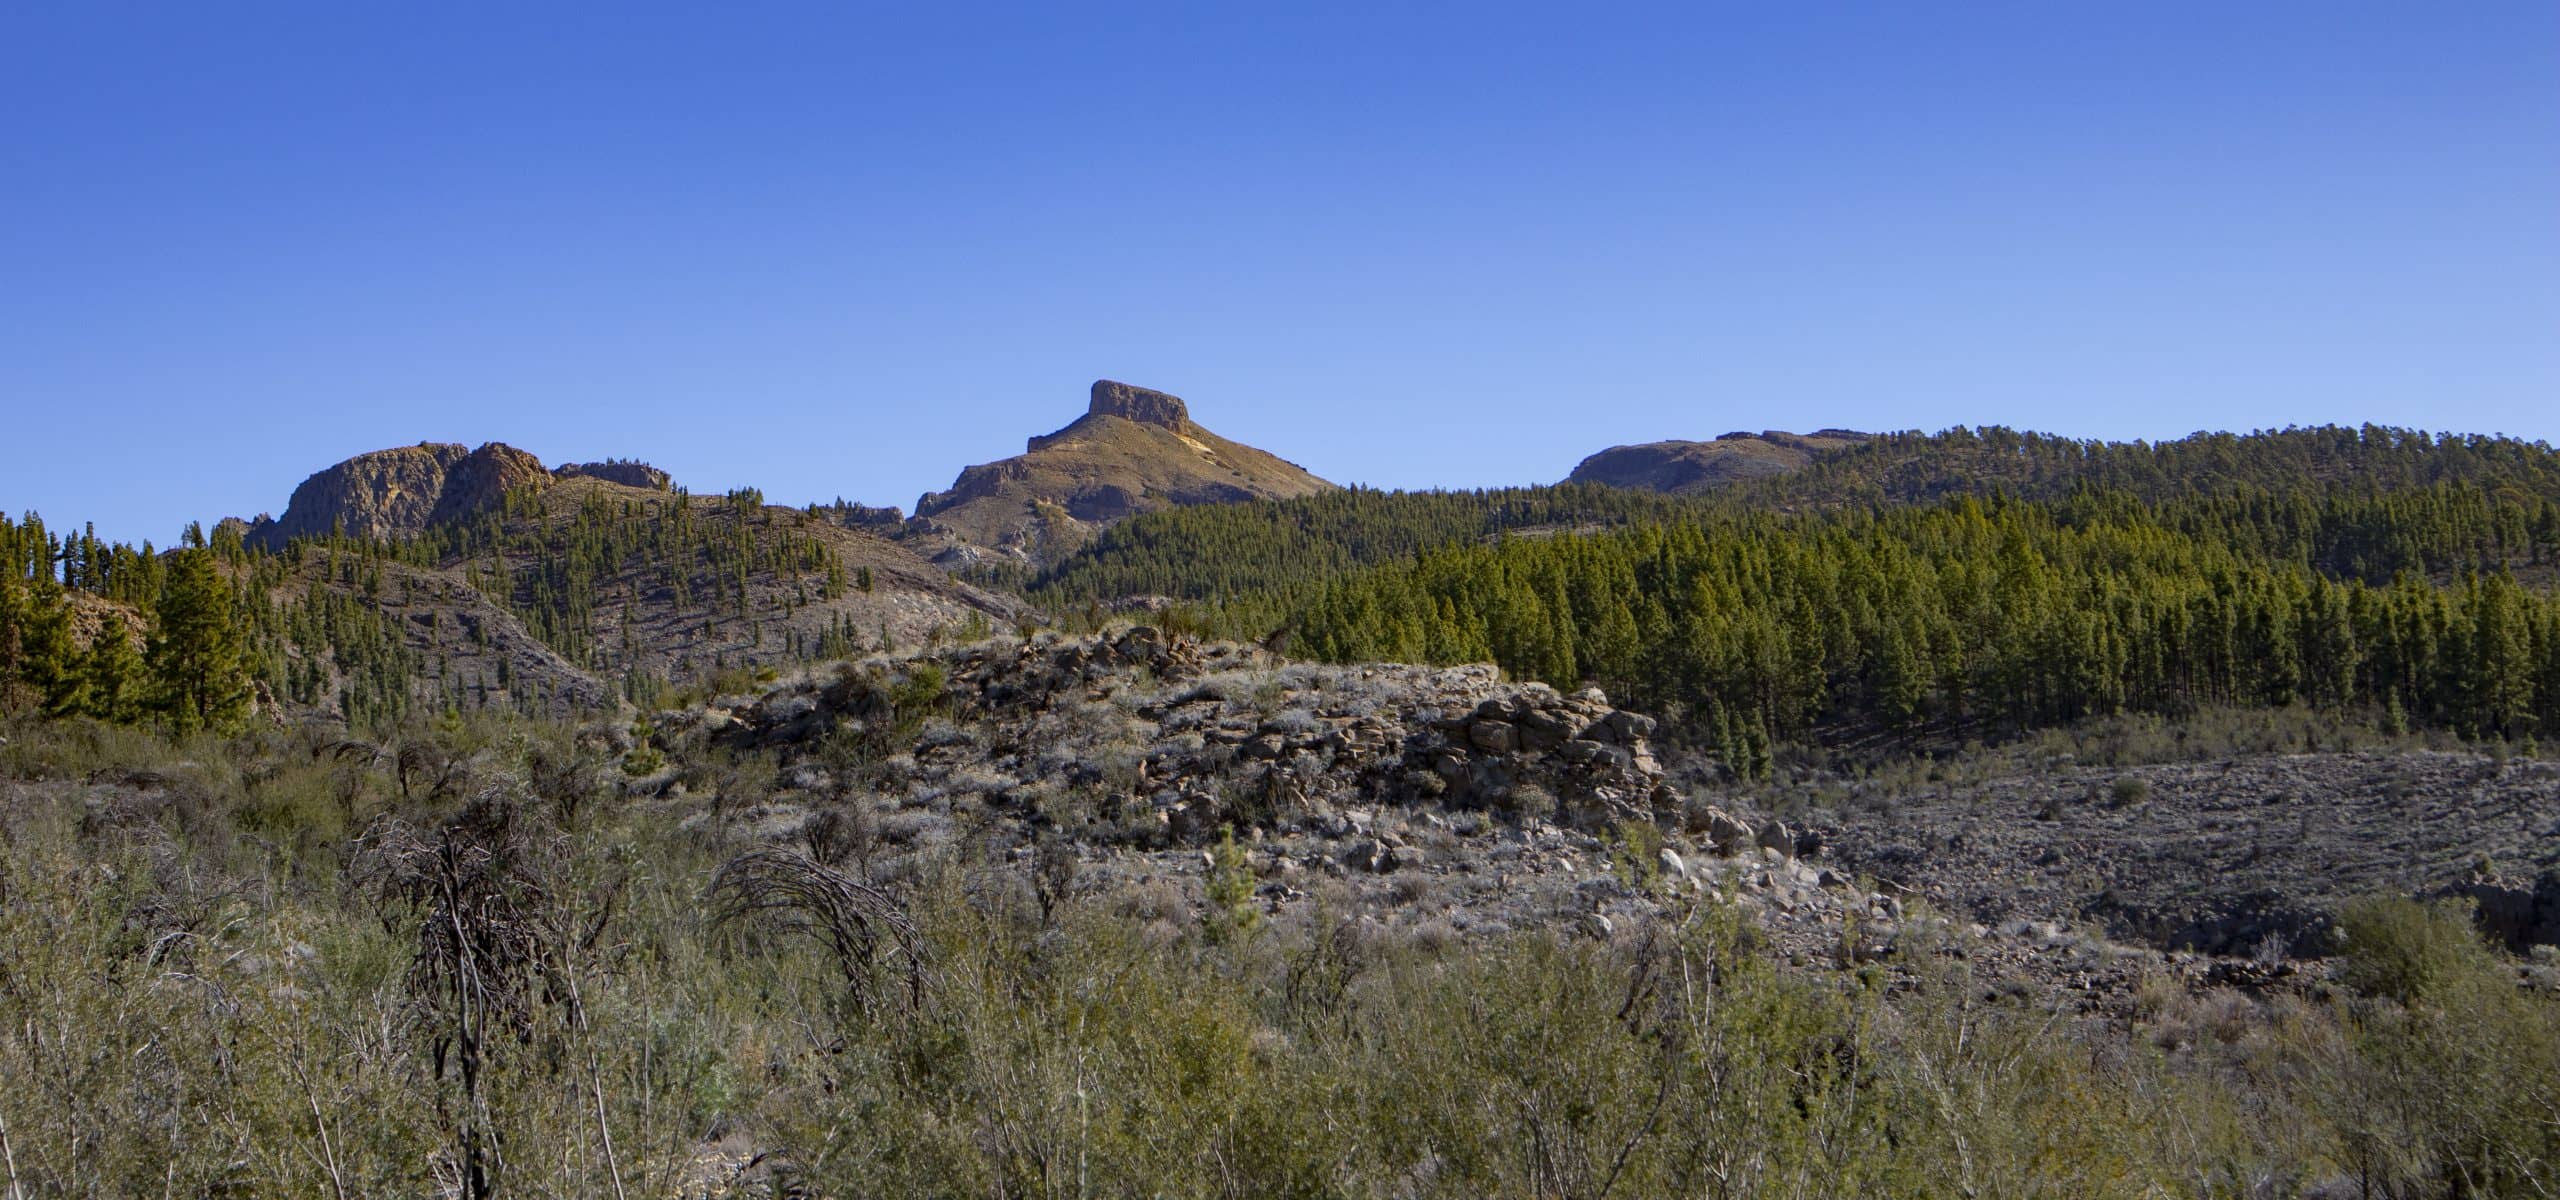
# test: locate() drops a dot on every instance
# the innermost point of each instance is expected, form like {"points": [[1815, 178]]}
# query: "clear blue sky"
{"points": [[830, 249]]}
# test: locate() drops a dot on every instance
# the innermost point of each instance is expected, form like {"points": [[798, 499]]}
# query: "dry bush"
{"points": [[866, 932]]}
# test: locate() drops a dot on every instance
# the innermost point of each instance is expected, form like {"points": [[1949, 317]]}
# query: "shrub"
{"points": [[2410, 950], [1231, 913]]}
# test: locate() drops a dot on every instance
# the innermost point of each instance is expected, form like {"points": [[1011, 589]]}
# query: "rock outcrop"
{"points": [[1146, 406], [386, 493], [481, 480], [1217, 735], [404, 491], [1135, 450], [627, 472], [1688, 467]]}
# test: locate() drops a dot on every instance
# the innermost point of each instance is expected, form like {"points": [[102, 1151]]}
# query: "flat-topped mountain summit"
{"points": [[1135, 450], [1687, 467]]}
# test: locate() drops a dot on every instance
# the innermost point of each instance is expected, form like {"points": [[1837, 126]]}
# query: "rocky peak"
{"points": [[1146, 406], [1134, 450], [379, 494], [482, 479], [629, 472], [402, 491]]}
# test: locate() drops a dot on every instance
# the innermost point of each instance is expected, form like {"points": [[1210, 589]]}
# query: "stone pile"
{"points": [[1227, 735]]}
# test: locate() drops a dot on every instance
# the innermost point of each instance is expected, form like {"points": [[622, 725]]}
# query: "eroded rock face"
{"points": [[628, 473], [481, 481], [401, 492], [2520, 913], [387, 493], [1143, 405]]}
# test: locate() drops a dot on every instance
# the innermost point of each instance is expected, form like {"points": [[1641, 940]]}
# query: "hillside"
{"points": [[1878, 599], [570, 594], [2196, 794], [1690, 467], [2361, 503], [429, 577], [1134, 451], [625, 582]]}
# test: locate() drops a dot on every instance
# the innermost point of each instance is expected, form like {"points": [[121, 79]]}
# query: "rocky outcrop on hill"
{"points": [[627, 472], [481, 480], [1688, 467], [385, 493], [399, 492], [1135, 450], [1143, 405]]}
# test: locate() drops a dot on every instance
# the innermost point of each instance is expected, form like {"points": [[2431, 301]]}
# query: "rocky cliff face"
{"points": [[387, 493], [1146, 406], [481, 480], [401, 492], [1687, 467], [1135, 450]]}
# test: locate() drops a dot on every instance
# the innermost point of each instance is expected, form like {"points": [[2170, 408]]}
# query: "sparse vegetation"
{"points": [[193, 1008]]}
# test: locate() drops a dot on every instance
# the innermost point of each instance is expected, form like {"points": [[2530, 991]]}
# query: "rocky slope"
{"points": [[1437, 802], [604, 574], [1690, 467], [2235, 856], [1135, 450], [679, 614]]}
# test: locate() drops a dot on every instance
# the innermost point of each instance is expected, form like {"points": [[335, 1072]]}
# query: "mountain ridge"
{"points": [[1687, 468], [402, 491]]}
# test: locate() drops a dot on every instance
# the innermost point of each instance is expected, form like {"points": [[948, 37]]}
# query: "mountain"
{"points": [[1689, 467], [399, 492], [433, 574], [405, 490], [1135, 450]]}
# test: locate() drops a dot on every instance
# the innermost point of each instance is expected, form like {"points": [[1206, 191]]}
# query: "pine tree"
{"points": [[49, 659], [112, 676], [197, 674], [13, 615]]}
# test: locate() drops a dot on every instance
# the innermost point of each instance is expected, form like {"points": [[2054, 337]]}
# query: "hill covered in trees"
{"points": [[1127, 908], [1970, 580], [564, 596]]}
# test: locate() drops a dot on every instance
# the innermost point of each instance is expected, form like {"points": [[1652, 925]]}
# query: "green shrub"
{"points": [[2409, 950]]}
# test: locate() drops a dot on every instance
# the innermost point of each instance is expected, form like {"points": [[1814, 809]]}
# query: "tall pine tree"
{"points": [[196, 668]]}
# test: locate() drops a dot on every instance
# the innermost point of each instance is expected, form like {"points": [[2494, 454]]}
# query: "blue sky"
{"points": [[837, 250]]}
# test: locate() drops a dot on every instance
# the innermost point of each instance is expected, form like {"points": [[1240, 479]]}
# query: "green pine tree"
{"points": [[112, 676], [49, 659], [197, 674]]}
